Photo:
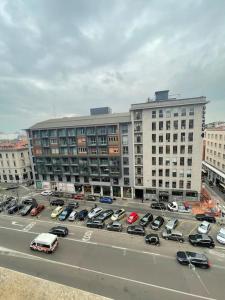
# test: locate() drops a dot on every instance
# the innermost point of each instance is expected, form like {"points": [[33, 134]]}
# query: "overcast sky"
{"points": [[63, 57]]}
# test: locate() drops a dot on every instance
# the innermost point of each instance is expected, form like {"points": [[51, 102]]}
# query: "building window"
{"points": [[153, 126], [191, 111], [160, 172], [174, 149], [191, 124], [126, 181], [168, 137], [161, 125], [174, 184], [167, 184], [175, 114], [174, 173], [160, 183], [183, 112], [188, 173], [182, 137], [190, 137], [183, 124], [126, 171], [189, 161], [153, 149], [153, 161], [167, 149], [125, 140], [153, 182], [125, 150], [160, 150], [174, 161], [167, 125], [153, 172], [182, 149], [153, 138], [168, 114], [124, 128], [153, 114], [126, 160], [181, 184], [181, 161], [175, 125], [167, 172], [190, 149], [160, 113], [160, 161], [175, 137], [188, 186]]}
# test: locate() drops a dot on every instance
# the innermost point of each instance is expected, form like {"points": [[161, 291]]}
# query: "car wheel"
{"points": [[166, 238], [211, 246], [181, 241]]}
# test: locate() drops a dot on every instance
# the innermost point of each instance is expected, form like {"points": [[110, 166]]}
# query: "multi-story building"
{"points": [[15, 166], [214, 163], [152, 151]]}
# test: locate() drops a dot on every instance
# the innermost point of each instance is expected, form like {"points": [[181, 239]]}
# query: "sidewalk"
{"points": [[20, 286]]}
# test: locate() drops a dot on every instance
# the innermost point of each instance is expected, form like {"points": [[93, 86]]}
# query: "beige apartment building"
{"points": [[214, 163], [15, 166]]}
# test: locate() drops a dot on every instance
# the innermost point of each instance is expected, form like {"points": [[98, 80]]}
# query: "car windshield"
{"points": [[222, 235], [156, 222], [145, 219]]}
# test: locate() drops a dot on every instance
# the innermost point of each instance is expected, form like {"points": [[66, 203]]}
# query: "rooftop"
{"points": [[83, 121], [14, 145]]}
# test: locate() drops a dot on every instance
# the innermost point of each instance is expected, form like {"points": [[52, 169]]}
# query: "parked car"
{"points": [[204, 217], [118, 214], [157, 223], [94, 212], [65, 214], [114, 226], [78, 196], [73, 215], [136, 229], [108, 200], [171, 224], [172, 206], [146, 219], [202, 240], [73, 204], [221, 236], [57, 211], [57, 202], [95, 223], [59, 231], [36, 210], [158, 205], [183, 209], [57, 194], [105, 214], [193, 258], [211, 184], [173, 235], [204, 227], [11, 204], [15, 208], [152, 239], [46, 193], [30, 201], [26, 210], [133, 217], [91, 197], [82, 215]]}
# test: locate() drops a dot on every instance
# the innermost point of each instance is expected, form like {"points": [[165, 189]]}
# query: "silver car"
{"points": [[94, 212], [171, 224], [204, 227], [173, 235]]}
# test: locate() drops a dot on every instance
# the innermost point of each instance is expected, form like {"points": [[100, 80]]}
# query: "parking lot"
{"points": [[186, 226]]}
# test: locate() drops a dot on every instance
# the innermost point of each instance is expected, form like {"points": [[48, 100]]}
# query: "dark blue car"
{"points": [[106, 200]]}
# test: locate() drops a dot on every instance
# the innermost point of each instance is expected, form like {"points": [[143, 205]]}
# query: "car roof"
{"points": [[205, 223], [45, 237], [133, 213]]}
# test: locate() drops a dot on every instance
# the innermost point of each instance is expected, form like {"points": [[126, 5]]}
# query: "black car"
{"points": [[57, 202], [146, 219], [15, 208], [136, 229], [59, 231], [173, 235], [73, 204], [82, 215], [193, 258], [30, 201], [11, 204], [114, 226], [26, 210], [204, 217], [94, 223], [152, 239], [202, 240], [57, 194], [105, 214], [157, 223], [158, 205], [91, 198]]}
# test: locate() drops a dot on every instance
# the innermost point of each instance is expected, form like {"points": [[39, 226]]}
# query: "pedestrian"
{"points": [[142, 200]]}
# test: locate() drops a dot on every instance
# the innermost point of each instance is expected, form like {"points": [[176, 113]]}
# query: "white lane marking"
{"points": [[29, 226], [119, 277], [17, 224], [87, 236], [117, 247]]}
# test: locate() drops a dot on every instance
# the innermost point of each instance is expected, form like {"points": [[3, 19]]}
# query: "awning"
{"points": [[223, 185], [220, 173]]}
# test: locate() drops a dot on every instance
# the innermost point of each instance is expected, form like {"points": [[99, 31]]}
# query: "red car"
{"points": [[36, 210], [132, 217], [78, 196]]}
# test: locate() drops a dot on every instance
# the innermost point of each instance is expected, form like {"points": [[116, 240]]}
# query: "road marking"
{"points": [[117, 247], [17, 224], [87, 236], [116, 277], [29, 226]]}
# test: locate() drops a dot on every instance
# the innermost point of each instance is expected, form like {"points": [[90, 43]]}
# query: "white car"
{"points": [[73, 215], [204, 227], [118, 214], [221, 236], [94, 212], [46, 193], [172, 206], [183, 209]]}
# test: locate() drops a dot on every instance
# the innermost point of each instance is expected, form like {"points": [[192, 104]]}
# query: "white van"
{"points": [[45, 242]]}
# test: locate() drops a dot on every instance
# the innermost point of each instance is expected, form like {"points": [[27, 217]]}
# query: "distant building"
{"points": [[215, 124], [214, 163], [15, 166], [152, 151]]}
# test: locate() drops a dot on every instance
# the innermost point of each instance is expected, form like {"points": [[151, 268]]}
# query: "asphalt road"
{"points": [[111, 264]]}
